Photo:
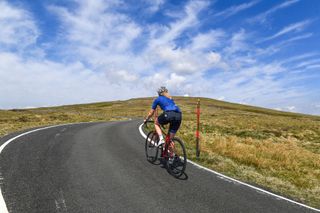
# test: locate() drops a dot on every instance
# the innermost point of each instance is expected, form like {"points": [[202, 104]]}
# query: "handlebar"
{"points": [[148, 121]]}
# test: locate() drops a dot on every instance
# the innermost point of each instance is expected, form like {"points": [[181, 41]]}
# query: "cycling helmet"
{"points": [[162, 90]]}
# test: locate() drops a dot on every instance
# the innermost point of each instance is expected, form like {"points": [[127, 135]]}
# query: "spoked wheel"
{"points": [[150, 146], [177, 162]]}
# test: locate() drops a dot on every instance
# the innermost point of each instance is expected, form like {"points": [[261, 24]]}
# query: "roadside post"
{"points": [[198, 129]]}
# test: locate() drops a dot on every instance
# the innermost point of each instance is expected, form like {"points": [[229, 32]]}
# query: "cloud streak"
{"points": [[263, 16], [295, 27], [17, 27], [231, 11]]}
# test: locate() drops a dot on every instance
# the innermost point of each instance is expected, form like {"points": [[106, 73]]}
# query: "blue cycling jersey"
{"points": [[166, 104]]}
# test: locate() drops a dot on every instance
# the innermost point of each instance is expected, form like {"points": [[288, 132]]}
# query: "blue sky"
{"points": [[259, 52]]}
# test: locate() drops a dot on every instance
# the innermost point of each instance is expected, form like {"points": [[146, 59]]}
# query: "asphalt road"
{"points": [[101, 167]]}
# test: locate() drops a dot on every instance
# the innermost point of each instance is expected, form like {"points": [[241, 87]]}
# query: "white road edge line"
{"points": [[3, 206], [239, 182]]}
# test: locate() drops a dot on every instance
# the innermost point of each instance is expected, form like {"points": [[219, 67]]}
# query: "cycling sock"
{"points": [[161, 140]]}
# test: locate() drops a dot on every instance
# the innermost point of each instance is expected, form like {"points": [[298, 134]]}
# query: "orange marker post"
{"points": [[198, 129]]}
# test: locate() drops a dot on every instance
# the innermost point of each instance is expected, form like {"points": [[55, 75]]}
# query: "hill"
{"points": [[279, 151]]}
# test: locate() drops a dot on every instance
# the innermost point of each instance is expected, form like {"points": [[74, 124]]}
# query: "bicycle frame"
{"points": [[168, 142], [172, 152]]}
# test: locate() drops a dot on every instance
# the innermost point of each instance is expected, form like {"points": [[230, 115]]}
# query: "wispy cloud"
{"points": [[280, 45], [154, 5], [176, 28], [236, 9], [296, 27], [314, 66], [209, 40], [263, 16], [308, 63], [94, 25], [17, 27], [299, 57], [296, 38], [238, 42]]}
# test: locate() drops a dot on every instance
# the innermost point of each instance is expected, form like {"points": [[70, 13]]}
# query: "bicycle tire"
{"points": [[179, 163], [151, 149]]}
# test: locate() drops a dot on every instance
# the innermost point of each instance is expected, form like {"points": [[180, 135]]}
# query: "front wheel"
{"points": [[151, 148], [177, 161]]}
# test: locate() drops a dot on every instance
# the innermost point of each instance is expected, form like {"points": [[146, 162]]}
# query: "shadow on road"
{"points": [[184, 176]]}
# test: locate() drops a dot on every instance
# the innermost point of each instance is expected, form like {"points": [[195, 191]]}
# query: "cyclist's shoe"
{"points": [[161, 142]]}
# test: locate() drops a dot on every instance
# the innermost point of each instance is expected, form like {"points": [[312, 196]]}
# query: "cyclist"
{"points": [[171, 114]]}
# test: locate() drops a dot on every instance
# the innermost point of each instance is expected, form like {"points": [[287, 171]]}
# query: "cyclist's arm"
{"points": [[151, 112], [153, 107]]}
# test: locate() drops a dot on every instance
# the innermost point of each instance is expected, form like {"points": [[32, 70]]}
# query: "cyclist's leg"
{"points": [[174, 127], [161, 120], [157, 127]]}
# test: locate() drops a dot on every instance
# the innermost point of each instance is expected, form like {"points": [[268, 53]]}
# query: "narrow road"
{"points": [[101, 167]]}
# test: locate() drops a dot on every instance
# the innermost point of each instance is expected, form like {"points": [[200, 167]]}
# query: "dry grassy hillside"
{"points": [[277, 150]]}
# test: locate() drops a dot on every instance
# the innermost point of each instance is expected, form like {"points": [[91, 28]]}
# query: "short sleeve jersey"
{"points": [[166, 104]]}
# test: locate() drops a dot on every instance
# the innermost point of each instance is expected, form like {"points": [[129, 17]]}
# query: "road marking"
{"points": [[3, 206], [226, 178]]}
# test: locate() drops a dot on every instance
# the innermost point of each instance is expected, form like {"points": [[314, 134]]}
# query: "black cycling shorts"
{"points": [[172, 117]]}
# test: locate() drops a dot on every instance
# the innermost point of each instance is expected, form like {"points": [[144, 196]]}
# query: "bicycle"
{"points": [[172, 152]]}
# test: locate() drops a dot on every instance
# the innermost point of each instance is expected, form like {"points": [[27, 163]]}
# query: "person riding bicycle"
{"points": [[171, 114]]}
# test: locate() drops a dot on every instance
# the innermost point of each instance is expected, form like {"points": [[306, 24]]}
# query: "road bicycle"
{"points": [[172, 153]]}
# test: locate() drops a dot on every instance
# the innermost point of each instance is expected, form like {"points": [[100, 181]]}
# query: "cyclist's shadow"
{"points": [[184, 176], [160, 162]]}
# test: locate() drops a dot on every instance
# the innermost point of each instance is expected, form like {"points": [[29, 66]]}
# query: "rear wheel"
{"points": [[150, 146], [177, 162]]}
